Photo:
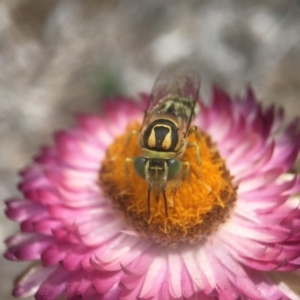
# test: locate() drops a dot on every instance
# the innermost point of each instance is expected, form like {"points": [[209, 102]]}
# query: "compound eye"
{"points": [[139, 166], [174, 168]]}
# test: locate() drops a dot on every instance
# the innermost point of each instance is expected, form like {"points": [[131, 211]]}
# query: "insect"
{"points": [[163, 135]]}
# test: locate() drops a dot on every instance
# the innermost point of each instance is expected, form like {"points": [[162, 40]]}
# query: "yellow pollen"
{"points": [[196, 206]]}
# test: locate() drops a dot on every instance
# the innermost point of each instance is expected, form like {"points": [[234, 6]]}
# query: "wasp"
{"points": [[163, 134]]}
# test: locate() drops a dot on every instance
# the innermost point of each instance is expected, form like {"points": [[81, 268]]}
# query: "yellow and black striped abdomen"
{"points": [[161, 135]]}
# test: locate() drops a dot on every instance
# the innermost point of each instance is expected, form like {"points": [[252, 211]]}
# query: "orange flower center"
{"points": [[196, 206]]}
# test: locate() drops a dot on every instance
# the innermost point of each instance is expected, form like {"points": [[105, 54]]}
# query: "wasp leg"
{"points": [[195, 130], [129, 136], [186, 170], [194, 144], [170, 199], [148, 200], [126, 168], [184, 174], [198, 155], [165, 201]]}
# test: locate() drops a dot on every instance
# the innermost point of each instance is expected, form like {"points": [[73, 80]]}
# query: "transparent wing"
{"points": [[177, 81]]}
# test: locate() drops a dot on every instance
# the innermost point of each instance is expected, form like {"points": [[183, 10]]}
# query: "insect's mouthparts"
{"points": [[156, 188]]}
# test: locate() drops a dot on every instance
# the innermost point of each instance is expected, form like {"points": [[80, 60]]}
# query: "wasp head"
{"points": [[157, 172]]}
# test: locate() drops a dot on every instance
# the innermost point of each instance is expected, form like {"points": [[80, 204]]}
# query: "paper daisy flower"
{"points": [[85, 225]]}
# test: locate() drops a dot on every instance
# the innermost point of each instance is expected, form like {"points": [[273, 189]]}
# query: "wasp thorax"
{"points": [[196, 206], [161, 135]]}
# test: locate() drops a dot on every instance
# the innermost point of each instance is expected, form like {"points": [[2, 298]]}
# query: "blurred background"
{"points": [[59, 57]]}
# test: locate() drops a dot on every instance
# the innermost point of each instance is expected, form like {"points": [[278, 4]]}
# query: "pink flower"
{"points": [[83, 248]]}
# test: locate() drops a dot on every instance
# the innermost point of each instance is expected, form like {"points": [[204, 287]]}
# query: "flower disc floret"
{"points": [[196, 206]]}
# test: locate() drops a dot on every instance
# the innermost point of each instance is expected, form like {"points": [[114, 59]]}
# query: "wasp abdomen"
{"points": [[161, 135]]}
